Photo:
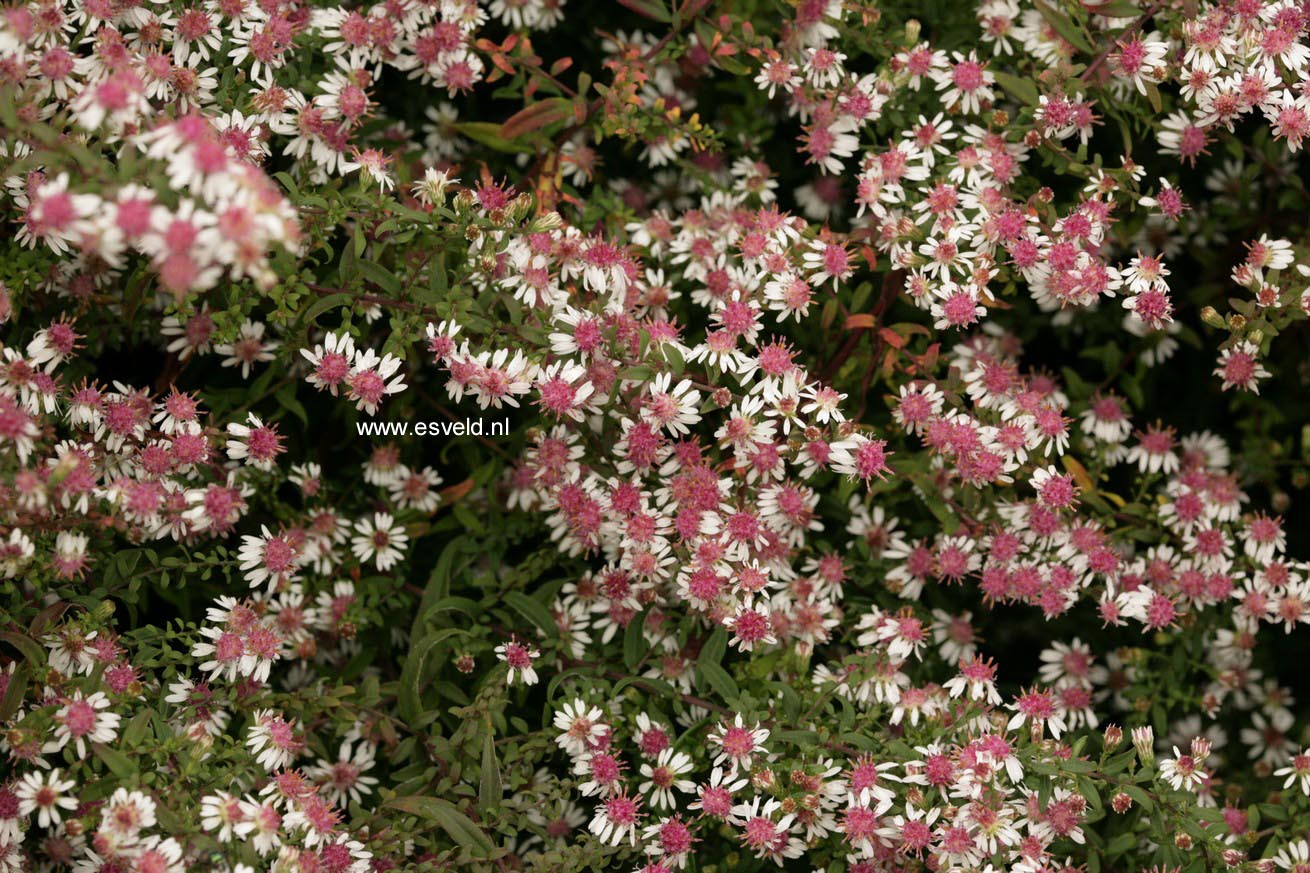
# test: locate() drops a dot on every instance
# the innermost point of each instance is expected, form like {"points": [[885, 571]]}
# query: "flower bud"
{"points": [[1114, 735], [1144, 743], [1121, 803], [545, 223], [1211, 316]]}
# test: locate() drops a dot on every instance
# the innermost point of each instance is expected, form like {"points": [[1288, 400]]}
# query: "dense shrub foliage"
{"points": [[652, 436]]}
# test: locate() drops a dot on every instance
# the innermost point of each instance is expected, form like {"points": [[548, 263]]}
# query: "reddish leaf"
{"points": [[652, 9], [536, 116], [456, 492]]}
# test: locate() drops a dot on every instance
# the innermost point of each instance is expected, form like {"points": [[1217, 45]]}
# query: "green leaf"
{"points": [[718, 679], [467, 518], [1119, 763], [716, 645], [349, 263], [1019, 88], [1075, 766], [137, 727], [490, 791], [414, 673], [534, 612], [1140, 797], [381, 277], [1119, 9], [1087, 787], [290, 184], [859, 741], [674, 359], [488, 134], [323, 304], [1153, 97], [468, 608], [118, 763], [1120, 844], [559, 678], [286, 395], [15, 691], [30, 648], [437, 287], [634, 641], [438, 586], [1064, 25], [456, 824], [650, 683]]}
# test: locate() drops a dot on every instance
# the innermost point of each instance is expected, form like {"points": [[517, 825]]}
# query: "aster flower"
{"points": [[1240, 367], [273, 740], [248, 349], [579, 726], [82, 720], [331, 361], [519, 656], [46, 795], [380, 540]]}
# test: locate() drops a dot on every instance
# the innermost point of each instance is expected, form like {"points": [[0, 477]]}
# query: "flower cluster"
{"points": [[899, 445]]}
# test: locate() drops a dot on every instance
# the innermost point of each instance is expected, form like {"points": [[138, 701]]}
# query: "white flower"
{"points": [[416, 489], [247, 349], [675, 408], [272, 740], [344, 779], [519, 656], [1294, 856], [663, 778], [126, 814], [578, 725], [370, 380], [331, 361], [615, 819], [379, 539], [222, 812], [46, 795], [81, 721], [1297, 770], [431, 189], [1183, 772]]}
